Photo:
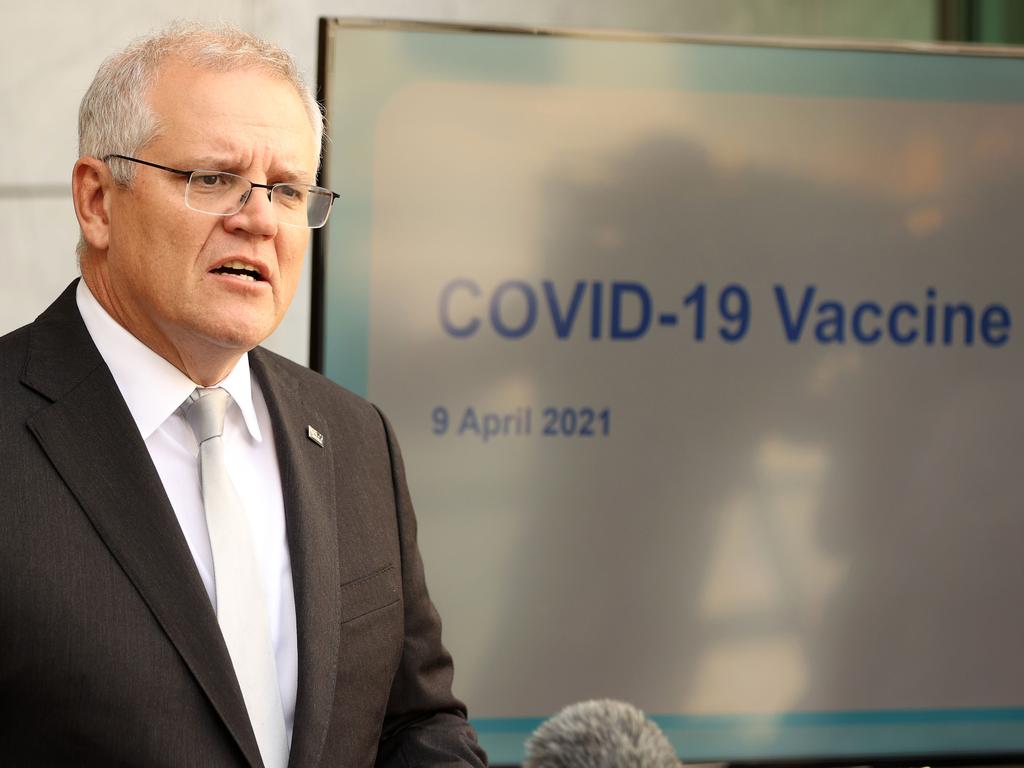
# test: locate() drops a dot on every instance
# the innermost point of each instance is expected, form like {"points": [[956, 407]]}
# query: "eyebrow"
{"points": [[294, 177], [225, 163]]}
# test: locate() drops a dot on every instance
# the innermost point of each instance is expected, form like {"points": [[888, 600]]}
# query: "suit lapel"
{"points": [[307, 483], [92, 440]]}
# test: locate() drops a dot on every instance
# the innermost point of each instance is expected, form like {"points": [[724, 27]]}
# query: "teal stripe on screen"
{"points": [[708, 67]]}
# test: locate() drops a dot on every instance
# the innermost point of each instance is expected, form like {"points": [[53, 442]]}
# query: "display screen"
{"points": [[706, 365]]}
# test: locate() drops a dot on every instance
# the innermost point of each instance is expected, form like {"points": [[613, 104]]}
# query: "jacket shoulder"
{"points": [[14, 349], [13, 345], [312, 385]]}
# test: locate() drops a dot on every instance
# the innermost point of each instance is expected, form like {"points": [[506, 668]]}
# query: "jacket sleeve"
{"points": [[424, 724]]}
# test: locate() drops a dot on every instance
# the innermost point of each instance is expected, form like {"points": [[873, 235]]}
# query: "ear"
{"points": [[91, 189]]}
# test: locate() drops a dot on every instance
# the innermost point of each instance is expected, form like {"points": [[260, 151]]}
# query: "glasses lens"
{"points": [[301, 205], [320, 202], [216, 192], [225, 194]]}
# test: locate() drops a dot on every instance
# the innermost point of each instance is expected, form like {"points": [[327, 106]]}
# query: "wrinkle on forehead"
{"points": [[248, 118]]}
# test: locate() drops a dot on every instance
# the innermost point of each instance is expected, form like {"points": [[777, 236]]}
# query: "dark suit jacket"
{"points": [[110, 652]]}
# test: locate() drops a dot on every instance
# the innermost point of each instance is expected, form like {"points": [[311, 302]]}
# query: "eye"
{"points": [[209, 180], [290, 194], [215, 183]]}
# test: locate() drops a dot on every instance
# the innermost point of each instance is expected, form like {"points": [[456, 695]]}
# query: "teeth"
{"points": [[253, 272]]}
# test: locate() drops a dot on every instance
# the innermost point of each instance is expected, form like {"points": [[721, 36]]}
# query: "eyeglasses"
{"points": [[224, 194]]}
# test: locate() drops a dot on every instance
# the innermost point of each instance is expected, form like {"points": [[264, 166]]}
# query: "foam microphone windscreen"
{"points": [[599, 734]]}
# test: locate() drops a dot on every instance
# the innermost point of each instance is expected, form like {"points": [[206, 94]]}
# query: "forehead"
{"points": [[249, 116]]}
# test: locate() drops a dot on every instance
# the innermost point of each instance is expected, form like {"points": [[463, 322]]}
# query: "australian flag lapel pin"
{"points": [[315, 435]]}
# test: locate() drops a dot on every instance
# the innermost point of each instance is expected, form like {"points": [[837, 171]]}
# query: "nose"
{"points": [[257, 216]]}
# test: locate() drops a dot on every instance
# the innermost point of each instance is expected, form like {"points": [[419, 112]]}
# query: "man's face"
{"points": [[162, 269]]}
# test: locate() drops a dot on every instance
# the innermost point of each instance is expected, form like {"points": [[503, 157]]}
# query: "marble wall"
{"points": [[50, 49]]}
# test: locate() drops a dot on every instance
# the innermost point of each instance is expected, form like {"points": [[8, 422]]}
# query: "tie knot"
{"points": [[205, 411]]}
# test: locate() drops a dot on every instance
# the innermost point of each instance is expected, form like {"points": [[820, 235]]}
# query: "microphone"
{"points": [[599, 734]]}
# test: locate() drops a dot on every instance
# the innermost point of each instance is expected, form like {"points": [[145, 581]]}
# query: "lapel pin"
{"points": [[315, 435]]}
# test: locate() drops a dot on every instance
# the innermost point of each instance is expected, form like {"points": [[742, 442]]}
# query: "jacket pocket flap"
{"points": [[368, 593]]}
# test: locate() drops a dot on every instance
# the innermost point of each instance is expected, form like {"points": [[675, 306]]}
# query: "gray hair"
{"points": [[599, 734], [115, 117]]}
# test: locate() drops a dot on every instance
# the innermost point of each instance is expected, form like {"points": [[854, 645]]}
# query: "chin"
{"points": [[238, 335]]}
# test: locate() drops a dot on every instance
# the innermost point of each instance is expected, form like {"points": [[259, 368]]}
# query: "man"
{"points": [[208, 553]]}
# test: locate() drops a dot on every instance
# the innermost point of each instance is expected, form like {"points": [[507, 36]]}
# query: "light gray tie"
{"points": [[241, 606]]}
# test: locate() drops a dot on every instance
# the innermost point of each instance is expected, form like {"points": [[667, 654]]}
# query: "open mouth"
{"points": [[239, 269]]}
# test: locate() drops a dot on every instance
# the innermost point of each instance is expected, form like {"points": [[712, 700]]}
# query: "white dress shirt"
{"points": [[154, 391]]}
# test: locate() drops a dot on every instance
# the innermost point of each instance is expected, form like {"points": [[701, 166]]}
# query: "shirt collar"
{"points": [[152, 388]]}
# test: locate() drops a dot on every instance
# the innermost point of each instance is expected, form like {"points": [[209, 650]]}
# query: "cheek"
{"points": [[163, 240], [291, 251], [167, 257]]}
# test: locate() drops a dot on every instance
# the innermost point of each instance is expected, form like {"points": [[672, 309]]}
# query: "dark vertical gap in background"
{"points": [[951, 27], [316, 309], [972, 21], [995, 22]]}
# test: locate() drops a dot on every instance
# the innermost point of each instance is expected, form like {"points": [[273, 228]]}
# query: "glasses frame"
{"points": [[245, 198]]}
